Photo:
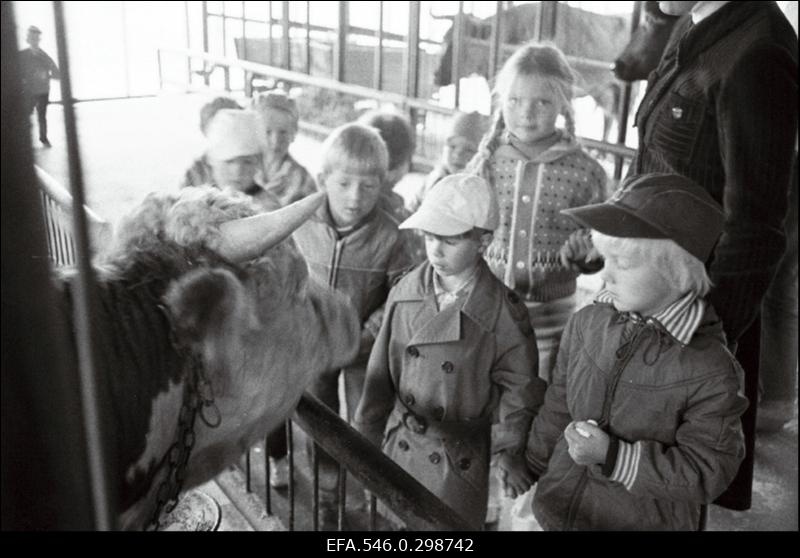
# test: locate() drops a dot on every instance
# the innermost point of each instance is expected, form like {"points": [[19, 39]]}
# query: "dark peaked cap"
{"points": [[658, 205]]}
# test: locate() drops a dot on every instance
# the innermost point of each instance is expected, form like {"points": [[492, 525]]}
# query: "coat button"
{"points": [[413, 351], [435, 458], [438, 413], [409, 399], [403, 445], [447, 366], [464, 464]]}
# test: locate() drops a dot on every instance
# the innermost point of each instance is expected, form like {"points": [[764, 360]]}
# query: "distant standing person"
{"points": [[37, 69]]}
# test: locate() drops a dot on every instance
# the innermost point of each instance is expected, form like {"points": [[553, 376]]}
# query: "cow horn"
{"points": [[249, 237]]}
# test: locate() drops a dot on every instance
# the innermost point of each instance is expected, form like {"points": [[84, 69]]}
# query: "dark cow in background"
{"points": [[578, 33], [208, 331], [642, 54]]}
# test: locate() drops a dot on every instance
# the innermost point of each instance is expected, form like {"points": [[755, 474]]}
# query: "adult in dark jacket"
{"points": [[721, 109], [37, 69]]}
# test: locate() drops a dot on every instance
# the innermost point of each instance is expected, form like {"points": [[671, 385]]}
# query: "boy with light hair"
{"points": [[641, 424], [354, 246]]}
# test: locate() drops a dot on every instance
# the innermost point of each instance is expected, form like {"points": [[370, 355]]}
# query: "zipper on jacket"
{"points": [[610, 390], [333, 272]]}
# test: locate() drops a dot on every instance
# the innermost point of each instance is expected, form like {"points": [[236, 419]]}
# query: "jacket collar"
{"points": [[482, 305], [695, 39], [323, 215], [564, 146], [680, 319]]}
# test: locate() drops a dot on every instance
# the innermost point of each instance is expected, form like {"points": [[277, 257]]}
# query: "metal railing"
{"points": [[57, 208], [407, 498], [429, 118]]}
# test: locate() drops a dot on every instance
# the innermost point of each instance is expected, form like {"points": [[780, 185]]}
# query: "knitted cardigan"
{"points": [[525, 251]]}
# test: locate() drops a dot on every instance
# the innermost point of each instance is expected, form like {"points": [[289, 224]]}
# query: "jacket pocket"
{"points": [[677, 126], [469, 459]]}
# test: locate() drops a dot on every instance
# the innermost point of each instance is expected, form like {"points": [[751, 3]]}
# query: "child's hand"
{"points": [[587, 443], [579, 254], [514, 474]]}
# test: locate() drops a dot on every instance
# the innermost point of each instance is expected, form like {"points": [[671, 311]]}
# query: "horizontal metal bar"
{"points": [[357, 90], [419, 508], [305, 79], [611, 148], [352, 30]]}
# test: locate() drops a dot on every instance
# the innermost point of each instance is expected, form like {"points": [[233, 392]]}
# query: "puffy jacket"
{"points": [[675, 409]]}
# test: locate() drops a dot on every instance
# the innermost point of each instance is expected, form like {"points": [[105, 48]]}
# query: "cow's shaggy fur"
{"points": [[259, 329]]}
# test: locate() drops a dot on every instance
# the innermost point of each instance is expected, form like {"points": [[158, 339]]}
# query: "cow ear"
{"points": [[203, 301]]}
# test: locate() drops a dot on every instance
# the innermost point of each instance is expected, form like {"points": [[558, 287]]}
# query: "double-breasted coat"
{"points": [[444, 389]]}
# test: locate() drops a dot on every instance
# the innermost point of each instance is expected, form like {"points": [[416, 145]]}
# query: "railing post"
{"points": [[270, 34], [95, 416], [286, 45], [308, 38], [547, 22], [206, 76], [458, 52], [622, 133], [161, 72], [248, 79], [494, 40], [340, 49], [412, 53], [377, 80], [187, 28]]}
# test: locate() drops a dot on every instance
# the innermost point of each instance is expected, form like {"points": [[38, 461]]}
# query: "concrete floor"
{"points": [[134, 147]]}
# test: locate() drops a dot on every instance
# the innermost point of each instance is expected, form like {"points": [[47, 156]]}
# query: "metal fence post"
{"points": [[622, 133], [95, 416], [340, 47]]}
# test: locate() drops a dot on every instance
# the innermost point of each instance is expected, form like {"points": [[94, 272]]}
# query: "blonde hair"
{"points": [[680, 268], [357, 147], [532, 59]]}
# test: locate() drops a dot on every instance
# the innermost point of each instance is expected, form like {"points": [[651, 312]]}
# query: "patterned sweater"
{"points": [[525, 251]]}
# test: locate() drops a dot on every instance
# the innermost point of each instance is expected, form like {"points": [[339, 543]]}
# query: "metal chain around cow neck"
{"points": [[198, 395]]}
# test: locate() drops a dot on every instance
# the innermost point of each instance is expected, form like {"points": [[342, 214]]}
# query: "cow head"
{"points": [[473, 27], [643, 52], [238, 297]]}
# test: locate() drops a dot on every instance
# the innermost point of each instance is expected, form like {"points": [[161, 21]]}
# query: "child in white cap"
{"points": [[452, 378], [281, 174], [233, 153], [199, 173], [461, 144], [641, 424]]}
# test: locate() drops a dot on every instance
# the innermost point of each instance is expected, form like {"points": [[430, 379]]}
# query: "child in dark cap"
{"points": [[640, 426]]}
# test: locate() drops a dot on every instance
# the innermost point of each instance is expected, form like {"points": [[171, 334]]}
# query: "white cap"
{"points": [[232, 133], [455, 205]]}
